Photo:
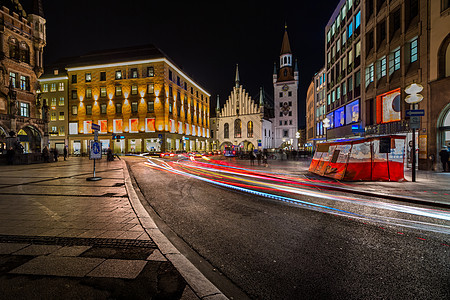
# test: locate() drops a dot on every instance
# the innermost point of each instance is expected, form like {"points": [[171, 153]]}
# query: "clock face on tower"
{"points": [[285, 87]]}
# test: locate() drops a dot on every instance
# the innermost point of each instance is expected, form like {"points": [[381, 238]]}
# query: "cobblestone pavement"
{"points": [[62, 237]]}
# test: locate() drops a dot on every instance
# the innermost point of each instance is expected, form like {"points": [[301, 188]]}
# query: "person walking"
{"points": [[65, 152], [265, 155], [444, 158], [55, 154], [10, 154], [252, 158], [45, 154], [259, 156]]}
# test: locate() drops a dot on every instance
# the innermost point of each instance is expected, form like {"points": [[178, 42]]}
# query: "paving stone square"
{"points": [[59, 266], [8, 248], [37, 250], [119, 268], [71, 251]]}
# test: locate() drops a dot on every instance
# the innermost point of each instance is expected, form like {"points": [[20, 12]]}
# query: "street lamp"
{"points": [[413, 99]]}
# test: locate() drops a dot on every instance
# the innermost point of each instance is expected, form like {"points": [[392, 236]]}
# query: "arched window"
{"points": [[13, 48], [237, 128], [24, 52], [444, 58], [285, 59], [226, 131], [250, 129]]}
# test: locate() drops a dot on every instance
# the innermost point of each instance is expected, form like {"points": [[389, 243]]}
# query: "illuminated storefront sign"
{"points": [[150, 125], [352, 112], [388, 107]]}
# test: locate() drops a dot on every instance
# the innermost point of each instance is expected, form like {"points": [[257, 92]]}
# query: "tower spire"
{"points": [[237, 76], [285, 46]]}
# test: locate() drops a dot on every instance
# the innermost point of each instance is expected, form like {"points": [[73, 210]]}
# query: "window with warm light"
{"points": [[61, 87], [88, 93], [134, 107], [134, 73], [61, 116], [150, 88], [74, 110], [61, 131], [74, 94], [24, 109], [150, 106], [53, 103], [118, 75], [118, 90], [53, 116], [89, 109], [44, 87], [61, 101], [150, 72], [118, 108], [103, 92], [53, 87], [88, 77], [134, 90], [103, 109]]}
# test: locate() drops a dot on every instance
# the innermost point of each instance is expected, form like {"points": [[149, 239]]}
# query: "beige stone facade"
{"points": [[22, 39]]}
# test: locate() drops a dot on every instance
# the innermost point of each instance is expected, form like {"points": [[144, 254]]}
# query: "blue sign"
{"points": [[95, 127], [415, 112], [96, 150], [159, 136], [259, 144], [356, 129]]}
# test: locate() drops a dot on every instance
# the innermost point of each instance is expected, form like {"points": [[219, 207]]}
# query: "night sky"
{"points": [[205, 38]]}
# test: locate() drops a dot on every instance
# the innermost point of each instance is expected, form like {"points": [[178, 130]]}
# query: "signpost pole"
{"points": [[413, 155]]}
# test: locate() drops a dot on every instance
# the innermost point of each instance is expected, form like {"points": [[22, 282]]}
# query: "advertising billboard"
{"points": [[389, 107]]}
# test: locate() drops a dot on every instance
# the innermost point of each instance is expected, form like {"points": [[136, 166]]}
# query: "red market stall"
{"points": [[373, 158]]}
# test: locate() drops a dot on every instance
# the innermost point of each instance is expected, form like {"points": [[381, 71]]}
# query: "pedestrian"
{"points": [[252, 158], [55, 154], [259, 157], [65, 152], [45, 154], [444, 158], [109, 155], [264, 156], [10, 154]]}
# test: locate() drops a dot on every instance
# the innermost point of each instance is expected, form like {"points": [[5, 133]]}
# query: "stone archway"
{"points": [[30, 137], [443, 126], [444, 58], [225, 144]]}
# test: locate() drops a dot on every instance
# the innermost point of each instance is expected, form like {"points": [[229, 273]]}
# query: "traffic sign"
{"points": [[95, 127], [415, 112], [96, 150], [414, 122]]}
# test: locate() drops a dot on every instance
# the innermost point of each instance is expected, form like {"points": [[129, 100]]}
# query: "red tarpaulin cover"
{"points": [[361, 159]]}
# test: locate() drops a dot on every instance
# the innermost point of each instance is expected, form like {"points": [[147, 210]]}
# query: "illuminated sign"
{"points": [[388, 107]]}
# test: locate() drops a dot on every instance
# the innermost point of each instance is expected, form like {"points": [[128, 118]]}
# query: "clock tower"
{"points": [[285, 86]]}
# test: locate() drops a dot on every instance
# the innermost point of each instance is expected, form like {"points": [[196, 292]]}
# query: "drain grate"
{"points": [[67, 241]]}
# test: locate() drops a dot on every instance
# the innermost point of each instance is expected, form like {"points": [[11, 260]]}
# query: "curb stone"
{"points": [[200, 285]]}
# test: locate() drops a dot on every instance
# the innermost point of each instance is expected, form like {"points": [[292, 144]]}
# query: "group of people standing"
{"points": [[46, 154], [259, 156]]}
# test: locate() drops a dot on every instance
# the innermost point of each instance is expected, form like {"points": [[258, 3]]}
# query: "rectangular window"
{"points": [[53, 87], [150, 106], [281, 94], [134, 73], [118, 75], [344, 90], [88, 77], [74, 110], [358, 78], [281, 123], [413, 50], [285, 133], [53, 116], [381, 67], [53, 103], [134, 107], [394, 61], [61, 101], [103, 109], [281, 104], [61, 130], [23, 84], [102, 76], [178, 81], [338, 93], [54, 131], [344, 38], [74, 78], [103, 92], [358, 49], [358, 19], [88, 93], [118, 108], [289, 94], [150, 72], [118, 90], [290, 103], [134, 90], [350, 29], [333, 96], [44, 86], [170, 75], [24, 109], [74, 94], [73, 128], [281, 113], [290, 114], [61, 87], [369, 74], [290, 122], [89, 109], [150, 88], [328, 99], [61, 116]]}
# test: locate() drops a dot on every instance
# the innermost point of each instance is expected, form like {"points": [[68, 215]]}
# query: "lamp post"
{"points": [[413, 98]]}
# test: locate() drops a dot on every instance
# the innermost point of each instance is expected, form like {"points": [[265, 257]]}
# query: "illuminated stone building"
{"points": [[54, 93], [242, 122], [22, 39], [374, 50], [310, 113], [285, 86], [142, 101]]}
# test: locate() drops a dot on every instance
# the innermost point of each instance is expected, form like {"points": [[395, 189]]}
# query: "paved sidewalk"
{"points": [[62, 237], [430, 187]]}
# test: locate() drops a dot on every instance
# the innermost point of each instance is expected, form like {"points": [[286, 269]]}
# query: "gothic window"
{"points": [[250, 129], [13, 48], [226, 131], [24, 52], [237, 128]]}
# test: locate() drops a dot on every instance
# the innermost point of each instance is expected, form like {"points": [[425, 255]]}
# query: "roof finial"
{"points": [[237, 76], [285, 25], [261, 96], [218, 104]]}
